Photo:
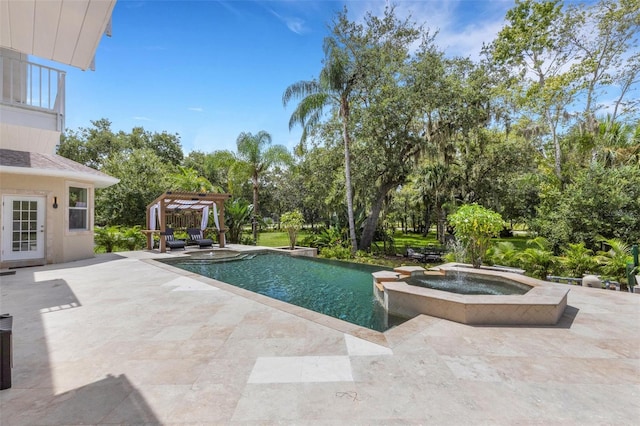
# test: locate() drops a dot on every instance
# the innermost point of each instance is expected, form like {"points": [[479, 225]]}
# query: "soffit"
{"points": [[65, 31], [51, 165]]}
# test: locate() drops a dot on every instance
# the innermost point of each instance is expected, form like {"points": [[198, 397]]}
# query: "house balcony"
{"points": [[32, 103]]}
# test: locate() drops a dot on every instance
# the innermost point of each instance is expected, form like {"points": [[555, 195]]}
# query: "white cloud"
{"points": [[457, 36], [140, 118], [294, 24], [196, 109], [469, 41]]}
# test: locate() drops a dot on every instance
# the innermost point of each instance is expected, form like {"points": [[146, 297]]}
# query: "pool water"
{"points": [[339, 289], [465, 284]]}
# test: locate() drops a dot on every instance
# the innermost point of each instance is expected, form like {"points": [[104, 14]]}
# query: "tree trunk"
{"points": [[371, 223], [440, 228], [254, 222], [557, 165], [426, 217], [347, 179]]}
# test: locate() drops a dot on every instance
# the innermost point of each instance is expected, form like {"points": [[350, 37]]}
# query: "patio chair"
{"points": [[170, 240], [195, 235], [414, 255]]}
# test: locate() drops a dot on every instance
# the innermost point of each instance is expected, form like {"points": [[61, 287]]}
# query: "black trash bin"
{"points": [[6, 324]]}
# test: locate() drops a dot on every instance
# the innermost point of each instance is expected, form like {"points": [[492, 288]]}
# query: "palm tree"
{"points": [[334, 88], [188, 179], [255, 156], [619, 143], [238, 214]]}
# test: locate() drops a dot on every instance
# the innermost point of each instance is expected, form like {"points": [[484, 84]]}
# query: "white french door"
{"points": [[23, 227]]}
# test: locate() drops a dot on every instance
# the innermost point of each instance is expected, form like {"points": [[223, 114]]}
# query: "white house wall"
{"points": [[26, 129], [60, 244]]}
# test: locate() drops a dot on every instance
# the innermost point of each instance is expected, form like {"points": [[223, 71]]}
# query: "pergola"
{"points": [[184, 209]]}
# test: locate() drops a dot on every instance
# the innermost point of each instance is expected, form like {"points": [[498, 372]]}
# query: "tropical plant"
{"points": [[329, 237], [255, 156], [504, 253], [538, 259], [107, 237], [474, 227], [132, 238], [238, 214], [614, 259], [578, 260], [292, 222]]}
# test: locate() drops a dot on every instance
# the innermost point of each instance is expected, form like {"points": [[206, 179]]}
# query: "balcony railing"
{"points": [[33, 86]]}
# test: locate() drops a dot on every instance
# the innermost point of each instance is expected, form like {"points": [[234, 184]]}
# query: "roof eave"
{"points": [[98, 181]]}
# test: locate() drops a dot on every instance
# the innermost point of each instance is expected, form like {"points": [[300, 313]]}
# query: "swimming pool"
{"points": [[338, 289]]}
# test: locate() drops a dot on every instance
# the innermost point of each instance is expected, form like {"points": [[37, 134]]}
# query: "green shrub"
{"points": [[336, 252], [107, 237], [292, 222], [328, 237], [538, 259], [132, 239], [504, 253], [474, 227], [577, 260], [614, 260], [238, 214]]}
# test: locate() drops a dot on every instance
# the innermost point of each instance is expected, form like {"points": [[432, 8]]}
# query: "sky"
{"points": [[209, 70]]}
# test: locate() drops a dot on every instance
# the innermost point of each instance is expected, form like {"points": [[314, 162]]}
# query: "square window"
{"points": [[78, 219]]}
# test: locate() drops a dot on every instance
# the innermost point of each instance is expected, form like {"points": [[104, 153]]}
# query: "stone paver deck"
{"points": [[121, 340]]}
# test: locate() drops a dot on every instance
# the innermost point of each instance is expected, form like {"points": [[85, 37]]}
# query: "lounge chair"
{"points": [[195, 235], [170, 240], [414, 255]]}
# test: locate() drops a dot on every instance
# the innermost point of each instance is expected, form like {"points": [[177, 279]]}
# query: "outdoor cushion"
{"points": [[171, 242], [196, 236]]}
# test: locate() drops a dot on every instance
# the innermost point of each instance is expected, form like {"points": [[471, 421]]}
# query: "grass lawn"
{"points": [[401, 240], [277, 239], [520, 241]]}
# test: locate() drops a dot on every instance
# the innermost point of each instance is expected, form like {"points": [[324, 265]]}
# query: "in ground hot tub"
{"points": [[406, 292]]}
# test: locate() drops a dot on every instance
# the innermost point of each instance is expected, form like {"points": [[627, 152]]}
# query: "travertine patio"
{"points": [[120, 339]]}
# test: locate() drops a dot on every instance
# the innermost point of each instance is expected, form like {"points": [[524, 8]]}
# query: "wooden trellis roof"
{"points": [[173, 201]]}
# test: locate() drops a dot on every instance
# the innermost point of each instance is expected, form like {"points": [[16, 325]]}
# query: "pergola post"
{"points": [[163, 227], [149, 235], [222, 230]]}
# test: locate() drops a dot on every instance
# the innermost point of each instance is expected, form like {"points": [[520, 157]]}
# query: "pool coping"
{"points": [[544, 304]]}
